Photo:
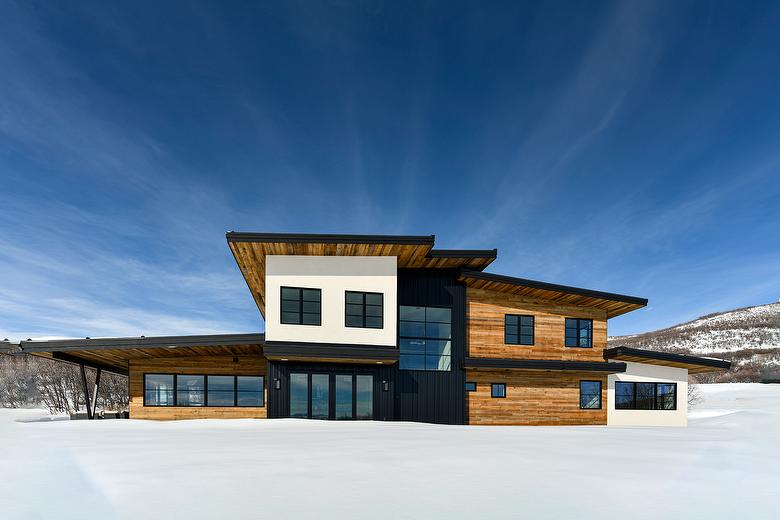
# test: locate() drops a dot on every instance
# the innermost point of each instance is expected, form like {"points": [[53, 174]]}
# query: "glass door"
{"points": [[299, 395], [331, 396], [320, 404]]}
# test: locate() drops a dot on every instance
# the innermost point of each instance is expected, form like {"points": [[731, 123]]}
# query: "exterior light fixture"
{"points": [[277, 383], [385, 386]]}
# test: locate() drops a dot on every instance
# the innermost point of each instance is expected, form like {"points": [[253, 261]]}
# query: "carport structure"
{"points": [[115, 355]]}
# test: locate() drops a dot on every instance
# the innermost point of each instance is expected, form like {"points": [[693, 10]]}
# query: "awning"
{"points": [[330, 352], [541, 364], [694, 364]]}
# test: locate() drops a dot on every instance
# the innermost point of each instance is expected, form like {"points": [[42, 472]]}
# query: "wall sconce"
{"points": [[385, 386], [277, 383]]}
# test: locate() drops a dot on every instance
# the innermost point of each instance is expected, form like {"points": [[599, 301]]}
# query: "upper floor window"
{"points": [[645, 396], [579, 333], [498, 390], [590, 395], [518, 330], [425, 335], [363, 309], [301, 306]]}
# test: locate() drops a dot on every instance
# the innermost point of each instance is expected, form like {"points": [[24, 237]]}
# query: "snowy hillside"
{"points": [[749, 337]]}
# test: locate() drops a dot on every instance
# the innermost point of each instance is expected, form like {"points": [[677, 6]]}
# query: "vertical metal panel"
{"points": [[430, 396]]}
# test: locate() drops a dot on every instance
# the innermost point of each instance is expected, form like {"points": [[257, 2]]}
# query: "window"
{"points": [[363, 310], [518, 330], [498, 390], [202, 390], [425, 335], [579, 333], [158, 390], [590, 395], [221, 391], [471, 386], [364, 397], [645, 396], [301, 306], [190, 390], [249, 391]]}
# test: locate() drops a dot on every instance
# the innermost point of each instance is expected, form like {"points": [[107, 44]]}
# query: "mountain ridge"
{"points": [[749, 337]]}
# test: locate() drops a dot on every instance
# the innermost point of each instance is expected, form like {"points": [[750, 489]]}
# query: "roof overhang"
{"points": [[114, 354], [330, 352], [412, 251], [613, 304], [542, 364], [694, 364]]}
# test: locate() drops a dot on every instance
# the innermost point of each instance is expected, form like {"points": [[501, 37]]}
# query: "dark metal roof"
{"points": [[298, 350], [615, 352], [64, 345], [463, 253], [553, 287], [314, 238], [543, 364]]}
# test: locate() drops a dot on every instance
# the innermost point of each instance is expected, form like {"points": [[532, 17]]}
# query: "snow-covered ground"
{"points": [[724, 465]]}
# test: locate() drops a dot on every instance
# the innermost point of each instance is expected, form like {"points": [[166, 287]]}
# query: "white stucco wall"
{"points": [[333, 275], [645, 372]]}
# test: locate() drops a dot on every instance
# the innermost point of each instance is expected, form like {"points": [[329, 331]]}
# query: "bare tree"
{"points": [[695, 396]]}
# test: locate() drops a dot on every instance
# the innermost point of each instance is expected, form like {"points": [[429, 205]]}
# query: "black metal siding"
{"points": [[424, 396]]}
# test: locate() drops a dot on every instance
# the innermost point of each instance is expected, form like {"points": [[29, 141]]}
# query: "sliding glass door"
{"points": [[331, 396]]}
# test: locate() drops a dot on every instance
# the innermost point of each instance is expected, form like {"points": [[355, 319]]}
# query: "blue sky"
{"points": [[631, 147]]}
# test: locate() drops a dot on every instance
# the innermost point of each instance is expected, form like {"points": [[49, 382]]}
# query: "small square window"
{"points": [[471, 386], [579, 333], [498, 390], [301, 306]]}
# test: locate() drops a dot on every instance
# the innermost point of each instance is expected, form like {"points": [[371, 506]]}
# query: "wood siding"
{"points": [[535, 398], [485, 316], [207, 365]]}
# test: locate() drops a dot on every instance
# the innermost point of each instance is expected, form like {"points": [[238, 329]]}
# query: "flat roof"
{"points": [[694, 364], [328, 238], [542, 364]]}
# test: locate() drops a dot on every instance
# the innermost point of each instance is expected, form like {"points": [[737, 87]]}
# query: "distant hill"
{"points": [[748, 337]]}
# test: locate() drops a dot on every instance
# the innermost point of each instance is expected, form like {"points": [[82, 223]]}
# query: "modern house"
{"points": [[390, 328]]}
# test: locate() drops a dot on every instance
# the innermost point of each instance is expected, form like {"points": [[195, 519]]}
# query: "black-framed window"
{"points": [[301, 306], [204, 390], [190, 390], [425, 338], [159, 390], [364, 310], [498, 390], [645, 396], [590, 395], [579, 333], [471, 386], [518, 329]]}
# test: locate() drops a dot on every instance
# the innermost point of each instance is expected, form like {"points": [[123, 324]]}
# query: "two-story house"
{"points": [[390, 328]]}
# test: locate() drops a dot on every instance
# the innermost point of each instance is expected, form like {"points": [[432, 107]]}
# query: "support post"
{"points": [[86, 391], [95, 392]]}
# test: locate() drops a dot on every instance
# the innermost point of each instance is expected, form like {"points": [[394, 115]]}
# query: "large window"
{"points": [[203, 390], [590, 395], [579, 333], [645, 396], [425, 338], [518, 330], [363, 309], [190, 390], [301, 306], [159, 390]]}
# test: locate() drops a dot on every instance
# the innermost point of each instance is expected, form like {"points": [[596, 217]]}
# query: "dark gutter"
{"points": [[543, 364], [463, 253], [64, 345], [294, 349], [666, 356], [553, 287], [312, 238]]}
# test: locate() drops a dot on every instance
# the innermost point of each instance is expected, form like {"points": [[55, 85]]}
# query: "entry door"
{"points": [[331, 396]]}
